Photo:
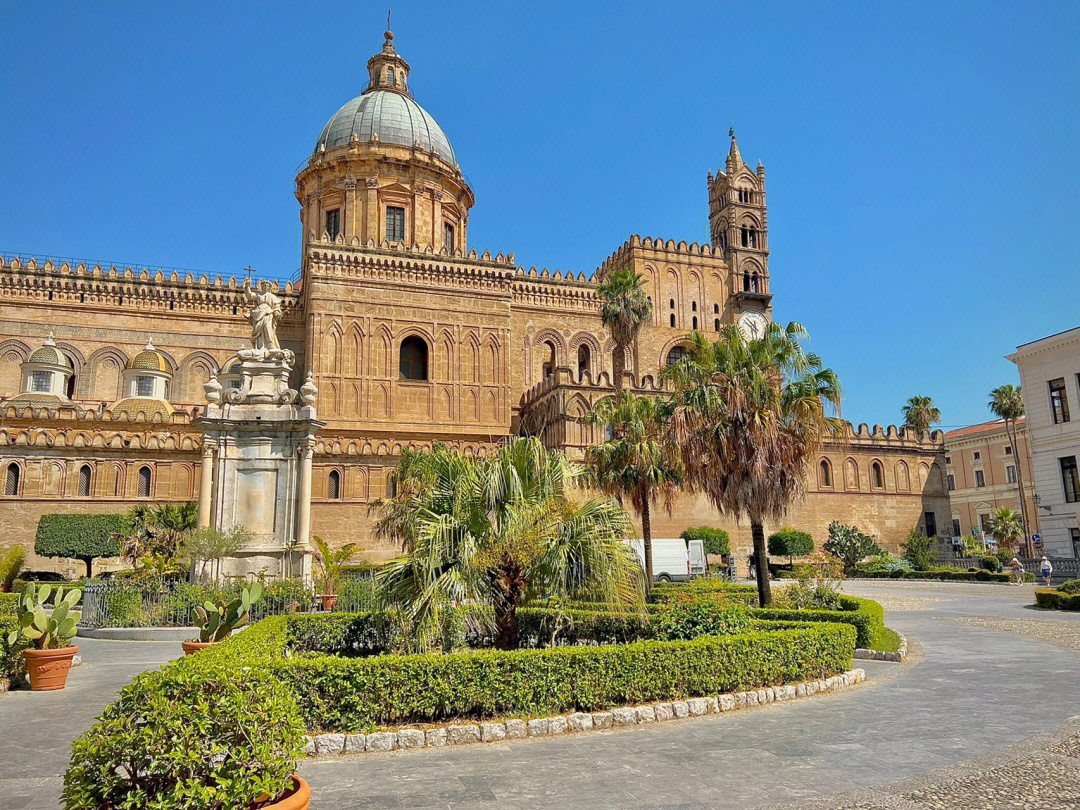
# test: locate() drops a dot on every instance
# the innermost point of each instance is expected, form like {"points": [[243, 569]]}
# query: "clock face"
{"points": [[752, 325]]}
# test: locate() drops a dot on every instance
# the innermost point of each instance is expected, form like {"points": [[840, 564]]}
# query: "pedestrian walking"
{"points": [[1045, 570], [751, 560], [1018, 570]]}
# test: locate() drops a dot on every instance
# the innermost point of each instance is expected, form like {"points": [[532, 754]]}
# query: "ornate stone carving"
{"points": [[309, 391], [264, 316]]}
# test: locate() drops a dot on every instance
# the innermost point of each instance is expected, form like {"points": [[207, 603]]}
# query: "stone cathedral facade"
{"points": [[411, 337]]}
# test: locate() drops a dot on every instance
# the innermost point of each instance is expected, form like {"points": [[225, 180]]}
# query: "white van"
{"points": [[674, 560]]}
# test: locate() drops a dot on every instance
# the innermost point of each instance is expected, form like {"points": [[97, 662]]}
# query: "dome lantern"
{"points": [[387, 70]]}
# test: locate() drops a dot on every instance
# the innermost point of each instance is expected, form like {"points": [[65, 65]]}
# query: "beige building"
{"points": [[412, 337], [982, 474]]}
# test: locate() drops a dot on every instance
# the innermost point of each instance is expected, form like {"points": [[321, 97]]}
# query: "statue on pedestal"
{"points": [[264, 316]]}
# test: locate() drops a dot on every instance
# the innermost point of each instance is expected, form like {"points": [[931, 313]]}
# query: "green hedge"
{"points": [[1053, 599], [718, 590], [9, 604], [351, 694], [941, 574], [11, 659]]}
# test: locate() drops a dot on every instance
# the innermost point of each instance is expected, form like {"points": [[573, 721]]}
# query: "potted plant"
{"points": [[330, 562], [217, 621], [48, 659]]}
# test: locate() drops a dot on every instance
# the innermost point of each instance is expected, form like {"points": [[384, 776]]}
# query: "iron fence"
{"points": [[112, 603]]}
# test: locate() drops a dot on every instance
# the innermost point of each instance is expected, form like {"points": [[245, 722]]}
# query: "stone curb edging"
{"points": [[878, 655], [139, 633], [334, 744]]}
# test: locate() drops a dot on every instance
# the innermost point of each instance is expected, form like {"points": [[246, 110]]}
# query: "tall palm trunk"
{"points": [[646, 539], [1010, 429], [510, 585], [757, 532], [618, 367]]}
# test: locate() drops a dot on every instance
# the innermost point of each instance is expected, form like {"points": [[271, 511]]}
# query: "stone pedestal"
{"points": [[259, 438]]}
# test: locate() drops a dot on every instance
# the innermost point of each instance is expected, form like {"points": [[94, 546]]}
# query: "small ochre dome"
{"points": [[149, 359], [393, 117], [147, 406], [49, 354]]}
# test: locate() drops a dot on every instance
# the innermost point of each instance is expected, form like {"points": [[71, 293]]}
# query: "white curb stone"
{"points": [[538, 727], [664, 712], [516, 729], [624, 716], [410, 738], [382, 741], [602, 720], [435, 737], [327, 744], [680, 708], [645, 714], [492, 732], [697, 706], [579, 721], [726, 703], [463, 735], [355, 743], [557, 725]]}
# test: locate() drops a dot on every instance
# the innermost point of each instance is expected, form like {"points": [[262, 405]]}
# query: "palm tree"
{"points": [[749, 417], [919, 413], [159, 531], [497, 531], [1007, 526], [626, 308], [331, 561], [636, 463], [1007, 403]]}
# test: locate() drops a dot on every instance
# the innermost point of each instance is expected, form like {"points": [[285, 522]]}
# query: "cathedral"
{"points": [[408, 334]]}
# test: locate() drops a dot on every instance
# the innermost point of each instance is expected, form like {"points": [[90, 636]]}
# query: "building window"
{"points": [[956, 527], [671, 320], [390, 76], [716, 325], [749, 236], [333, 223], [582, 361], [676, 354], [41, 381], [825, 473], [413, 359], [984, 523], [716, 309], [85, 478], [1059, 402], [930, 524], [1008, 449], [979, 480], [145, 480], [144, 386], [1074, 533], [879, 474], [547, 368], [11, 480], [951, 482], [395, 223], [671, 304], [1010, 473], [693, 306], [948, 459], [333, 486], [693, 323], [448, 237], [1070, 479], [976, 455]]}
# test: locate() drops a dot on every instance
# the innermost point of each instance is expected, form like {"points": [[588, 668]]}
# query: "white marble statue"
{"points": [[264, 316]]}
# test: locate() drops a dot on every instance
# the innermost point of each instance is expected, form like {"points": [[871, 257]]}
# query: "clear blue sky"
{"points": [[922, 161]]}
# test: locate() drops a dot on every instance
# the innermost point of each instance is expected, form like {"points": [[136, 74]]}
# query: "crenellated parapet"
{"points": [[391, 449], [902, 437], [130, 288], [663, 250]]}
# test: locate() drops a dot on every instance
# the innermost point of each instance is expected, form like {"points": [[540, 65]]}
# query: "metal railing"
{"points": [[138, 604]]}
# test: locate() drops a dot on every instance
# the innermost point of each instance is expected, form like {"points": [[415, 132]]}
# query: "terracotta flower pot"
{"points": [[192, 647], [299, 798], [48, 669], [328, 601]]}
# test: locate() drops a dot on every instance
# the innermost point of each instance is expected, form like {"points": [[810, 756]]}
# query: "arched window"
{"points": [[716, 309], [746, 281], [145, 479], [85, 479], [693, 306], [413, 359], [754, 283], [390, 76], [333, 486], [716, 325], [825, 473], [582, 360], [676, 354], [878, 472], [693, 322], [11, 480], [548, 366]]}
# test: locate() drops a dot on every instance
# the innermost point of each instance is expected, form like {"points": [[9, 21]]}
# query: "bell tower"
{"points": [[739, 224]]}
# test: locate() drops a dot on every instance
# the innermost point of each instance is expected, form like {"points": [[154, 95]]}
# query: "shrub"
{"points": [[11, 563], [850, 545], [920, 550], [538, 626], [719, 591], [884, 564], [715, 541], [81, 537], [990, 563], [200, 736], [1070, 587], [789, 542], [1055, 599], [694, 619], [360, 693]]}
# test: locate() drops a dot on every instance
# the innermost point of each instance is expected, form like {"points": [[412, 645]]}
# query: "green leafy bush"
{"points": [[81, 537], [716, 590], [789, 542], [920, 550], [945, 574], [1055, 599], [188, 736], [990, 562], [360, 693], [695, 619], [11, 659], [883, 565], [850, 545], [539, 626], [9, 604], [715, 541], [11, 563], [1070, 586]]}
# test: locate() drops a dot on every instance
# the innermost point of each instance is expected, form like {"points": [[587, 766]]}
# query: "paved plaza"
{"points": [[979, 716]]}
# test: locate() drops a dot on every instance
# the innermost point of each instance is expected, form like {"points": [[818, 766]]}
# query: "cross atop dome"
{"points": [[387, 70]]}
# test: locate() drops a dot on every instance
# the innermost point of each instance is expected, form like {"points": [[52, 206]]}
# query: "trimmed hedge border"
{"points": [[982, 575], [1053, 599], [878, 655], [334, 744]]}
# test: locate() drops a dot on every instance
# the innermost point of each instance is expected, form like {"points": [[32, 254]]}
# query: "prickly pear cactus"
{"points": [[43, 628], [217, 620]]}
